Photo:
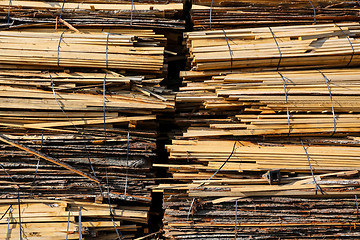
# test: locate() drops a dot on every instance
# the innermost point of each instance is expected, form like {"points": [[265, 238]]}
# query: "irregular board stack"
{"points": [[264, 154], [139, 13], [88, 133], [63, 115], [66, 219], [284, 47], [127, 50], [267, 103], [217, 14], [264, 218]]}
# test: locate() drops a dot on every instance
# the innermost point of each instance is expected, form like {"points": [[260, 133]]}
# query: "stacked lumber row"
{"points": [[127, 50], [272, 182], [204, 157], [220, 14], [241, 89], [54, 219], [262, 218], [267, 103], [63, 137], [68, 122], [284, 47], [142, 14]]}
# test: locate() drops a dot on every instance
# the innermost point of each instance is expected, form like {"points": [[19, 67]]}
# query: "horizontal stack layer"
{"points": [[304, 46], [72, 121], [44, 219], [262, 218], [260, 131], [193, 156], [268, 103], [144, 14], [63, 137], [272, 183], [134, 50], [217, 14]]}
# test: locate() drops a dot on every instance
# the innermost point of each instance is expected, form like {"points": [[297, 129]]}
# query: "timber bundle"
{"points": [[141, 51], [324, 102], [63, 137], [266, 187], [144, 14], [218, 14], [268, 135], [280, 47], [66, 219], [262, 135]]}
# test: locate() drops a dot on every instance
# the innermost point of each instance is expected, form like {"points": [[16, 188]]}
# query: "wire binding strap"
{"points": [[8, 16], [357, 206], [317, 187], [190, 208], [218, 170], [107, 49], [58, 50], [61, 12], [127, 161], [131, 12], [76, 128], [352, 47], [286, 99], [236, 215], [104, 83], [211, 8], [231, 53], [8, 224], [312, 5], [118, 233], [19, 206], [68, 224], [38, 163], [6, 212], [332, 105], [80, 235], [277, 44], [7, 173]]}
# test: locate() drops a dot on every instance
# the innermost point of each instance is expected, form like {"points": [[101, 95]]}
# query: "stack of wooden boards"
{"points": [[127, 50], [54, 219], [266, 125], [217, 14], [89, 132], [284, 47], [263, 218], [94, 13], [267, 103], [272, 183]]}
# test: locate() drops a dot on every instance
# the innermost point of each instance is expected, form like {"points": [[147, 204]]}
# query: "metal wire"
{"points": [[8, 16], [127, 161], [352, 47], [236, 217], [331, 100], [286, 99], [58, 49], [8, 224], [68, 224], [231, 53], [317, 187], [131, 13], [277, 44], [312, 5], [211, 8]]}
